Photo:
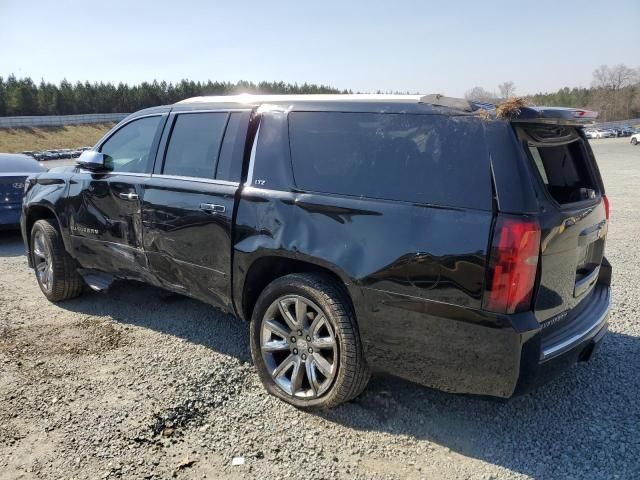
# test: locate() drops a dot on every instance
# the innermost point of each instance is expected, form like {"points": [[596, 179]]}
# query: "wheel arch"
{"points": [[34, 213], [265, 270]]}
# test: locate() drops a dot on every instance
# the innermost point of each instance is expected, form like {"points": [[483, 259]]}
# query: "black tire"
{"points": [[634, 141], [65, 281], [352, 373]]}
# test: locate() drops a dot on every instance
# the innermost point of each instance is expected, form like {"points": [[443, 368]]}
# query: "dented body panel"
{"points": [[47, 197], [415, 272], [416, 285]]}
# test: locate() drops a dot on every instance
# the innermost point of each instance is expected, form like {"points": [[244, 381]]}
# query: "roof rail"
{"points": [[439, 100], [249, 98]]}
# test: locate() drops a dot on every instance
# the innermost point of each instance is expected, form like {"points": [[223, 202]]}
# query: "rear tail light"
{"points": [[605, 200], [513, 264], [585, 114]]}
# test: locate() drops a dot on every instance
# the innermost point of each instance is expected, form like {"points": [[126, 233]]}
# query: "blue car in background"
{"points": [[14, 169]]}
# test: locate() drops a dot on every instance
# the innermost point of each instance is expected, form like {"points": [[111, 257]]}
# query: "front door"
{"points": [[189, 201], [104, 209]]}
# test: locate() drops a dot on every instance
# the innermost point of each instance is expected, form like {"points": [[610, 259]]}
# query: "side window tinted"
{"points": [[195, 144], [432, 159], [231, 153], [130, 147]]}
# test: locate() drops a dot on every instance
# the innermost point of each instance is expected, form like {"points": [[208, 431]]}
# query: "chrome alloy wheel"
{"points": [[299, 347], [43, 262]]}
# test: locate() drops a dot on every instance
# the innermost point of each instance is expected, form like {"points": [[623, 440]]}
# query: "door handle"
{"points": [[212, 208], [128, 196]]}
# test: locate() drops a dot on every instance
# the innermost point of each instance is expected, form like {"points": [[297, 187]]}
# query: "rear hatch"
{"points": [[573, 217]]}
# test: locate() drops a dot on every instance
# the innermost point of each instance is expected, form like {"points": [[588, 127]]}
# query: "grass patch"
{"points": [[15, 140]]}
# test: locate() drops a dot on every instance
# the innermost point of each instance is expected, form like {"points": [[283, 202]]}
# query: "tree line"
{"points": [[614, 94], [22, 96]]}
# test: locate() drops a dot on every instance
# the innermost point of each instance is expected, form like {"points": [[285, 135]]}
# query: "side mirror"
{"points": [[95, 161]]}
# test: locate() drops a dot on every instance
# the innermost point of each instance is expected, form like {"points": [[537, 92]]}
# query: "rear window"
{"points": [[564, 170], [427, 159]]}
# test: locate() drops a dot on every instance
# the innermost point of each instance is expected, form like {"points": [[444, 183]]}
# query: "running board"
{"points": [[98, 281]]}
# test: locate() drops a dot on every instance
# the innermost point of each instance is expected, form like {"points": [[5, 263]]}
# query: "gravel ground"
{"points": [[138, 383]]}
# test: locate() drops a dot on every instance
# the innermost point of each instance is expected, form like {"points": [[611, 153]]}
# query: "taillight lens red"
{"points": [[605, 200], [513, 264]]}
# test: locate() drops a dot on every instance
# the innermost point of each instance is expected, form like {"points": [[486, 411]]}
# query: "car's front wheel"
{"points": [[634, 141], [55, 269], [305, 342]]}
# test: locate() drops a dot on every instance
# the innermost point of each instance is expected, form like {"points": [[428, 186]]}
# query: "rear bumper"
{"points": [[473, 352], [583, 328], [549, 354]]}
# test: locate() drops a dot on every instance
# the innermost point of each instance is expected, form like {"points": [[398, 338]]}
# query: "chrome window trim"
{"points": [[209, 110], [252, 158], [195, 179], [112, 172], [130, 174]]}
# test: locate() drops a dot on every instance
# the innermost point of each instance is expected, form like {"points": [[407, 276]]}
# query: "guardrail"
{"points": [[59, 120]]}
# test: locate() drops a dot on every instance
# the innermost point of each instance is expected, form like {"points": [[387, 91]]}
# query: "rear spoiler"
{"points": [[518, 112], [555, 116]]}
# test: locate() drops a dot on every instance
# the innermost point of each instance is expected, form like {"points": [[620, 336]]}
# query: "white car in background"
{"points": [[635, 139], [601, 133]]}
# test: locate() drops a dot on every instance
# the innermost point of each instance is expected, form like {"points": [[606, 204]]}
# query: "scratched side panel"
{"points": [[415, 274], [50, 192], [432, 253], [451, 348]]}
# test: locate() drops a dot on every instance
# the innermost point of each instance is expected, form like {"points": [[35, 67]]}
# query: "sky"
{"points": [[406, 46]]}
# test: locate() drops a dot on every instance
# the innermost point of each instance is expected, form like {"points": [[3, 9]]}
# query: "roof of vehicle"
{"points": [[379, 103], [18, 163], [318, 102], [248, 98]]}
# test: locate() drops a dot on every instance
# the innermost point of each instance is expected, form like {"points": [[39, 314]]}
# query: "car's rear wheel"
{"points": [[55, 269], [305, 342], [634, 141]]}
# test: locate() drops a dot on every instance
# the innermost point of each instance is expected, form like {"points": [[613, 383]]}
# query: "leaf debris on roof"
{"points": [[511, 107]]}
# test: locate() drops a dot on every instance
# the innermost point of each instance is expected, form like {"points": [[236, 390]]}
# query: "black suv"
{"points": [[422, 236]]}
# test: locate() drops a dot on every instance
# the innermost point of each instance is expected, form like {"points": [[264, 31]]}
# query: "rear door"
{"points": [[104, 209], [573, 218], [189, 202]]}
